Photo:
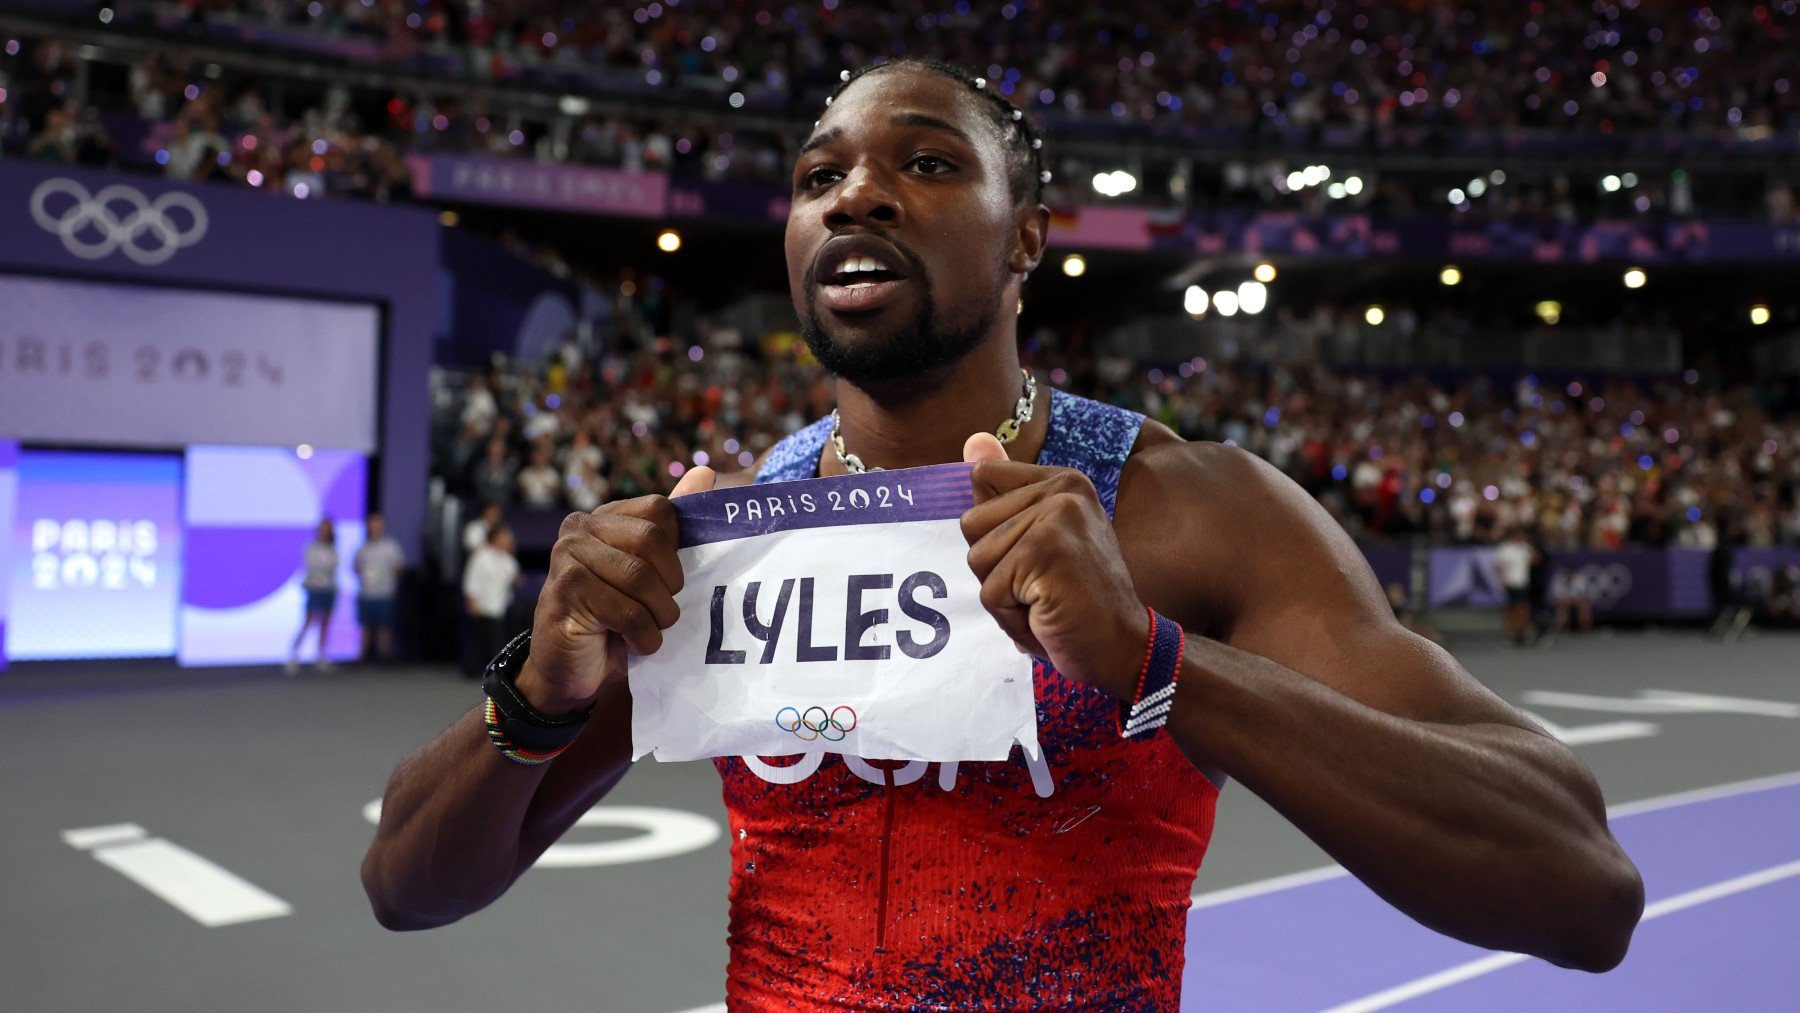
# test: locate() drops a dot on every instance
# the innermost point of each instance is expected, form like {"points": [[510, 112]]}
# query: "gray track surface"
{"points": [[267, 777]]}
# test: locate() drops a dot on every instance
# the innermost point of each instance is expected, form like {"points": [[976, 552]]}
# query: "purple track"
{"points": [[1322, 945]]}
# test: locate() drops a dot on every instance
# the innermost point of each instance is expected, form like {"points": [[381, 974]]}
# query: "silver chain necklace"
{"points": [[1007, 432]]}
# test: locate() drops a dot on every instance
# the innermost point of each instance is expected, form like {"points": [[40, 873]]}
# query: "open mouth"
{"points": [[859, 274]]}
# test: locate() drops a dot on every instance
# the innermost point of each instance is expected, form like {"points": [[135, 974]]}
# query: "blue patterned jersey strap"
{"points": [[1089, 436], [797, 455], [1092, 437]]}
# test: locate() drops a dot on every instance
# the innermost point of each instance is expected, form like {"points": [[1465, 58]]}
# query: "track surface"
{"points": [[213, 800]]}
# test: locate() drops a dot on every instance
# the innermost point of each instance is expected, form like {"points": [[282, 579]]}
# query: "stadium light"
{"points": [[1456, 195], [1114, 183], [1759, 314], [573, 105], [1194, 300], [1353, 185], [1610, 184], [1336, 191], [1297, 180], [1265, 272], [1074, 265], [1549, 311], [1252, 296], [1635, 277], [1477, 186], [1450, 275], [1374, 315], [1225, 302], [668, 240]]}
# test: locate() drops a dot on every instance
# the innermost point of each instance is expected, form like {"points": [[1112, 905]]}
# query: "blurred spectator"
{"points": [[1512, 566], [320, 586], [379, 562], [488, 582], [475, 533]]}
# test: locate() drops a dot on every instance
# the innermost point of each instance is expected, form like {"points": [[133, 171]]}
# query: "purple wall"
{"points": [[227, 237]]}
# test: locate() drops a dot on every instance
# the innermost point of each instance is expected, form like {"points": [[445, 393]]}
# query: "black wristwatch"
{"points": [[514, 716]]}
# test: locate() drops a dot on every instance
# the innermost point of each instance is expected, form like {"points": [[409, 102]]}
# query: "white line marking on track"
{"points": [[1588, 735], [1489, 964], [196, 887], [1276, 885], [93, 837], [1654, 804], [717, 1007], [1662, 701]]}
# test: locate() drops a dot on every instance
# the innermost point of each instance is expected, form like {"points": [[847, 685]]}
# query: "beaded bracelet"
{"points": [[512, 750], [1156, 679]]}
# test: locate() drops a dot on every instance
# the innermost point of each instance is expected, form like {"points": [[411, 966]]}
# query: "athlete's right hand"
{"points": [[612, 585]]}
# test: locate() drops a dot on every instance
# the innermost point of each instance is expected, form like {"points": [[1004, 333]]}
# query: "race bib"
{"points": [[832, 615]]}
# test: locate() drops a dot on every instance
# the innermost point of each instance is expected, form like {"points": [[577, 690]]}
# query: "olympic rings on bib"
{"points": [[817, 723]]}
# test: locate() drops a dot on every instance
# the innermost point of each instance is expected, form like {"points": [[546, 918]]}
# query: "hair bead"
{"points": [[980, 83], [844, 75], [1044, 176]]}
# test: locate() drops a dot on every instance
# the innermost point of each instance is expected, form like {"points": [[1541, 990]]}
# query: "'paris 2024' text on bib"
{"points": [[832, 615]]}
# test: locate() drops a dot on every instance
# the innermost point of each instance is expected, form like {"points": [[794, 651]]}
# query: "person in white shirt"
{"points": [[378, 564], [488, 582], [320, 585], [475, 533], [539, 484], [1512, 564]]}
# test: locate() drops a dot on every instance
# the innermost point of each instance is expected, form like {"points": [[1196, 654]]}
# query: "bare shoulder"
{"points": [[1215, 530]]}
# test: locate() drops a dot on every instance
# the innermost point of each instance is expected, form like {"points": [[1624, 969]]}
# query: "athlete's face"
{"points": [[907, 174]]}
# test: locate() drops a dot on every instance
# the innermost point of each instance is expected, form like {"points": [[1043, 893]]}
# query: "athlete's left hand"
{"points": [[1050, 568]]}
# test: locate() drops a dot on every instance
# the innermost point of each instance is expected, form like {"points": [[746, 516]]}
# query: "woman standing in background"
{"points": [[320, 585]]}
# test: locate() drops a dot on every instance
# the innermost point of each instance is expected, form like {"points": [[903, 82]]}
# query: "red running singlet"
{"points": [[974, 886], [1055, 884]]}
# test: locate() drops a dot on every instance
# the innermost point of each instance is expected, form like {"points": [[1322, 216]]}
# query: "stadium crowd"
{"points": [[1595, 463], [1593, 67], [1287, 70]]}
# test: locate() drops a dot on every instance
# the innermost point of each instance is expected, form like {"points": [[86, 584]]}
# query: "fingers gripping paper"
{"points": [[832, 615]]}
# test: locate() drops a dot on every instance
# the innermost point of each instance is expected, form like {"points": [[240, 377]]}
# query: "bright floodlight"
{"points": [[1225, 302], [1265, 272], [1450, 275], [1353, 185], [1252, 296], [1635, 277], [1194, 300], [1759, 314], [1074, 265], [1374, 315], [1456, 196], [1114, 183], [1610, 184], [1549, 311], [1337, 191], [1296, 180], [668, 240]]}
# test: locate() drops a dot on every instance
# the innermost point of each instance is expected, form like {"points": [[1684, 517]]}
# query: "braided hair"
{"points": [[1015, 127]]}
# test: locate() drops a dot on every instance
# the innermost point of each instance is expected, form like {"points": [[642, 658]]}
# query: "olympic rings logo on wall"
{"points": [[146, 232], [1604, 584], [816, 723]]}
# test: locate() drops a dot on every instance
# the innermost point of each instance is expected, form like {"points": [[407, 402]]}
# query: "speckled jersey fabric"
{"points": [[1060, 884]]}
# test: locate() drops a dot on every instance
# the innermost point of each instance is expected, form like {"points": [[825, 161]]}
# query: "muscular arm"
{"points": [[460, 822], [1449, 803]]}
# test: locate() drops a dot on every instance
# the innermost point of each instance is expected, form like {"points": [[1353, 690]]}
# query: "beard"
{"points": [[916, 349]]}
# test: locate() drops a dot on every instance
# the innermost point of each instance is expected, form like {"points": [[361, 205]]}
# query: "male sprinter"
{"points": [[859, 885]]}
